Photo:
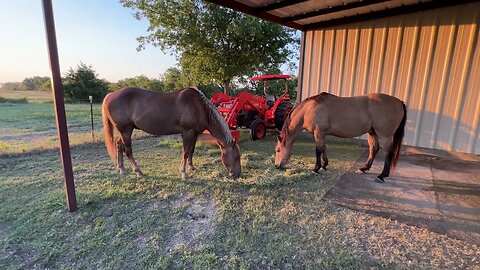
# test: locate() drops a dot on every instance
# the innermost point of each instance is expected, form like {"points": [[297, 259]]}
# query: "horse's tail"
{"points": [[397, 139], [108, 133]]}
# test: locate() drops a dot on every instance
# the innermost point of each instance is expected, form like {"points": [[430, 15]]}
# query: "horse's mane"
{"points": [[215, 116], [288, 119]]}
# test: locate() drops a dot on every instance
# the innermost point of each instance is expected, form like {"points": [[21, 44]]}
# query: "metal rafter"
{"points": [[278, 5], [252, 11], [332, 9]]}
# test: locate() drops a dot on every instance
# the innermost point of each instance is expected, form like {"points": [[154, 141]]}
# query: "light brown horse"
{"points": [[187, 112], [382, 116]]}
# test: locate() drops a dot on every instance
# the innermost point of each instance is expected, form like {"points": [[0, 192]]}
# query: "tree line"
{"points": [[83, 81]]}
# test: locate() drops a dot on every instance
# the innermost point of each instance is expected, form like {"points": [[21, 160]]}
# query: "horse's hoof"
{"points": [[185, 176], [192, 168], [139, 174], [379, 180], [122, 171], [359, 171]]}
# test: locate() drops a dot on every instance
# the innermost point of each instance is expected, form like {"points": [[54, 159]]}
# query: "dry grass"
{"points": [[31, 96]]}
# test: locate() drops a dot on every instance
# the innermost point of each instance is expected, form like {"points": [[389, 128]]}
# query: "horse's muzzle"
{"points": [[280, 167]]}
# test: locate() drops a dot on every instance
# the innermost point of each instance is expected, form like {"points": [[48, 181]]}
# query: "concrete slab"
{"points": [[438, 192]]}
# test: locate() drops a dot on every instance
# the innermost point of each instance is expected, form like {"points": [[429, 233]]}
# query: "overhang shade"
{"points": [[313, 14]]}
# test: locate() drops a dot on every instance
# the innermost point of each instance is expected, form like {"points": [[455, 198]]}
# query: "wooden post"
{"points": [[59, 106], [91, 116]]}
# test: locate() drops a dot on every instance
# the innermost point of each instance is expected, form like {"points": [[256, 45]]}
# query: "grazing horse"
{"points": [[382, 116], [187, 112]]}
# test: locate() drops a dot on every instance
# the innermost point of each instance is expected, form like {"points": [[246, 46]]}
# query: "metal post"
{"points": [[59, 106], [300, 78], [91, 115]]}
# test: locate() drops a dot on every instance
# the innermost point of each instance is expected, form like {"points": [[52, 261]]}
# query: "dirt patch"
{"points": [[196, 222], [437, 193]]}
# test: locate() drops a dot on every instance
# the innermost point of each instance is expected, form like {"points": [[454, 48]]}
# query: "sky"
{"points": [[100, 33]]}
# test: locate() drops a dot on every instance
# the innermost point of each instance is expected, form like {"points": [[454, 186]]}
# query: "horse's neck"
{"points": [[295, 126], [218, 133], [218, 129]]}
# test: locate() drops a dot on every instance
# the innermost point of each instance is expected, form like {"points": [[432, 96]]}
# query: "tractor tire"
{"points": [[281, 114], [258, 130]]}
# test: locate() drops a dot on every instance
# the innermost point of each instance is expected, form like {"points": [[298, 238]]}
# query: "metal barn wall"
{"points": [[430, 60]]}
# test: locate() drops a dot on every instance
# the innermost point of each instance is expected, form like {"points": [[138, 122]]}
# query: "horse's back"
{"points": [[155, 112], [125, 96], [344, 116], [122, 105], [354, 116]]}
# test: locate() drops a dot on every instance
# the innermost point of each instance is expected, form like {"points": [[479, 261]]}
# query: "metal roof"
{"points": [[313, 14]]}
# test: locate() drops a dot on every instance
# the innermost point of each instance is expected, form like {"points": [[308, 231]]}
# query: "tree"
{"points": [[13, 86], [37, 83], [138, 81], [83, 82], [213, 44], [173, 79]]}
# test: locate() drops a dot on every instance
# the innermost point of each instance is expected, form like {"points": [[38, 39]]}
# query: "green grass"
{"points": [[26, 127], [267, 219]]}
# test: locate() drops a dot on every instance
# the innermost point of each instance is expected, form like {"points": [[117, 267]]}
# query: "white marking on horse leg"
{"points": [[358, 171], [183, 170]]}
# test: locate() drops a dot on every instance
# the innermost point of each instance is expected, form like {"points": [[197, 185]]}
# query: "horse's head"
{"points": [[231, 158], [283, 152]]}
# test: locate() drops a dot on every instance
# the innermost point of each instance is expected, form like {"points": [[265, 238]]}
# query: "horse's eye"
{"points": [[278, 150]]}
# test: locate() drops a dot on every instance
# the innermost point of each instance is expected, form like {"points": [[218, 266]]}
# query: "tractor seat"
{"points": [[270, 101]]}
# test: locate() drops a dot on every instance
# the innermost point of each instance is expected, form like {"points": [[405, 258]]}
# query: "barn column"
{"points": [[59, 106]]}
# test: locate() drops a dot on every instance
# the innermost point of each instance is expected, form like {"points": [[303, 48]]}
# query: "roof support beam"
{"points": [[59, 106], [252, 11], [422, 6], [278, 5], [332, 10]]}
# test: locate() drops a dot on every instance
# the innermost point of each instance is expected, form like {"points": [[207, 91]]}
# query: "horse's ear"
{"points": [[279, 138]]}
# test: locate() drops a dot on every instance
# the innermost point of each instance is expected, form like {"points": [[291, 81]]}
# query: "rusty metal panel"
{"points": [[338, 61], [349, 68], [327, 60], [430, 59]]}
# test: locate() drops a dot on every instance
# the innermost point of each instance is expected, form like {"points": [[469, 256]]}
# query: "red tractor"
{"points": [[257, 113]]}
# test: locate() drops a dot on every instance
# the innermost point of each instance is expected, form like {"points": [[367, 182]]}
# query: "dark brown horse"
{"points": [[382, 116], [187, 112]]}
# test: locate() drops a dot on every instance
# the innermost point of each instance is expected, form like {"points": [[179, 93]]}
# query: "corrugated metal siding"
{"points": [[431, 60]]}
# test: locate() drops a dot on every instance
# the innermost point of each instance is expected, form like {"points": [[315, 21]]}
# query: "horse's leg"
{"points": [[373, 147], [386, 144], [120, 151], [126, 136], [189, 140], [190, 161], [320, 151]]}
